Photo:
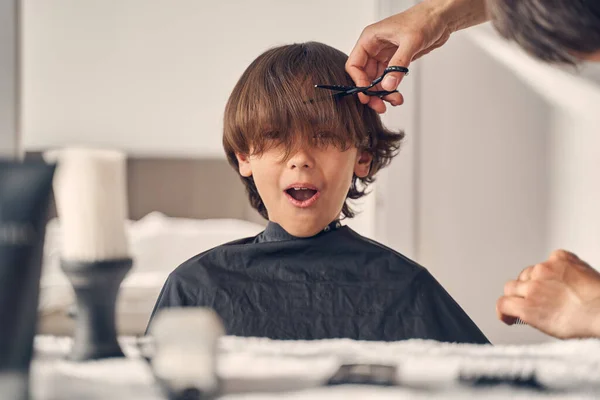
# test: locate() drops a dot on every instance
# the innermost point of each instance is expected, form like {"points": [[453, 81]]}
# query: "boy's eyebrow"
{"points": [[343, 91]]}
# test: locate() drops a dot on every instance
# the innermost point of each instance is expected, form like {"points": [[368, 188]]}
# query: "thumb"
{"points": [[401, 58]]}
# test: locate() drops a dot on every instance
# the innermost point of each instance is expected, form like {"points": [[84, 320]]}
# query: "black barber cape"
{"points": [[336, 284]]}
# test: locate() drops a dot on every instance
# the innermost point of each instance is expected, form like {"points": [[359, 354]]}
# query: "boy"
{"points": [[302, 155]]}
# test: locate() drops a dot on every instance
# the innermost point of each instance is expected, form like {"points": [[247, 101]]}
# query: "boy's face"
{"points": [[305, 191]]}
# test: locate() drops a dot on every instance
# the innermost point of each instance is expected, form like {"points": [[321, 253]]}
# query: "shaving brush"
{"points": [[91, 199]]}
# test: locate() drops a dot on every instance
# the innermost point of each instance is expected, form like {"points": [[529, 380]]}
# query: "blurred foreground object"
{"points": [[91, 200], [24, 197], [185, 352]]}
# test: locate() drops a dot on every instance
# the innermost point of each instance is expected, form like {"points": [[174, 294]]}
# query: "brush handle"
{"points": [[96, 285]]}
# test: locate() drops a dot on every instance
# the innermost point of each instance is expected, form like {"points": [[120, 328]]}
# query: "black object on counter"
{"points": [[25, 190], [96, 286]]}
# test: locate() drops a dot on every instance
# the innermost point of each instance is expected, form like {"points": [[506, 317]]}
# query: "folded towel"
{"points": [[570, 369]]}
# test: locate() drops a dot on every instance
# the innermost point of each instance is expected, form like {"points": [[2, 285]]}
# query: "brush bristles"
{"points": [[91, 199]]}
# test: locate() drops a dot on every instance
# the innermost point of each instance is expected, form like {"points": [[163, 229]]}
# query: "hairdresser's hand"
{"points": [[560, 297], [397, 41], [404, 37]]}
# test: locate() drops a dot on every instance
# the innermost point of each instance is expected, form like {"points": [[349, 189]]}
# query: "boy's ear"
{"points": [[363, 164], [244, 165]]}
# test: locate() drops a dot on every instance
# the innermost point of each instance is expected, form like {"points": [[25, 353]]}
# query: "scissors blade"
{"points": [[329, 96], [334, 87], [379, 93]]}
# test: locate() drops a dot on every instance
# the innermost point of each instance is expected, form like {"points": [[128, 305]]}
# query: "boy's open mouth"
{"points": [[302, 195]]}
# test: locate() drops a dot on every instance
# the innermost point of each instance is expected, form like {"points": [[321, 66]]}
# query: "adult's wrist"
{"points": [[458, 14]]}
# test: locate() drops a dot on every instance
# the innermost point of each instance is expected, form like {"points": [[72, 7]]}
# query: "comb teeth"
{"points": [[519, 321]]}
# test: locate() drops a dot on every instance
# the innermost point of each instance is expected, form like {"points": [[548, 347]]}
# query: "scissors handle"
{"points": [[393, 68], [344, 91]]}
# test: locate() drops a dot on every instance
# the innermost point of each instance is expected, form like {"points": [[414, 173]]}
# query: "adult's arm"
{"points": [[404, 37]]}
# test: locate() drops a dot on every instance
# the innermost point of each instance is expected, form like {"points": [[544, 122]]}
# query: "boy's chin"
{"points": [[303, 228]]}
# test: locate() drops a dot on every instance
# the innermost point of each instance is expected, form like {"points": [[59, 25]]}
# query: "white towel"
{"points": [[572, 366]]}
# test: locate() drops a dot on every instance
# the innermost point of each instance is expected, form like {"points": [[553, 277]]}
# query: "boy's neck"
{"points": [[333, 225]]}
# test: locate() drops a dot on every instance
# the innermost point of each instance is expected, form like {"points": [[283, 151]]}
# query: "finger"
{"points": [[525, 275], [364, 99], [562, 255], [381, 66], [356, 66], [373, 70], [371, 73], [401, 58], [510, 308], [377, 104], [394, 99], [508, 320], [546, 270], [516, 288], [356, 63]]}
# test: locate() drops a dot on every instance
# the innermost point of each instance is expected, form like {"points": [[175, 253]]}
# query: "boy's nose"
{"points": [[301, 159]]}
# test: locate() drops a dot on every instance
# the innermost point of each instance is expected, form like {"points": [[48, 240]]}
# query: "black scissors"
{"points": [[343, 91]]}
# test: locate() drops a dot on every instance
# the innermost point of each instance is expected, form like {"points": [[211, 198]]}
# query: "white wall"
{"points": [[8, 78], [153, 77], [397, 199], [483, 183], [574, 215], [508, 166]]}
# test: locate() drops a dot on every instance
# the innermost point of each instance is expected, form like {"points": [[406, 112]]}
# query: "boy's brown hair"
{"points": [[275, 103]]}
